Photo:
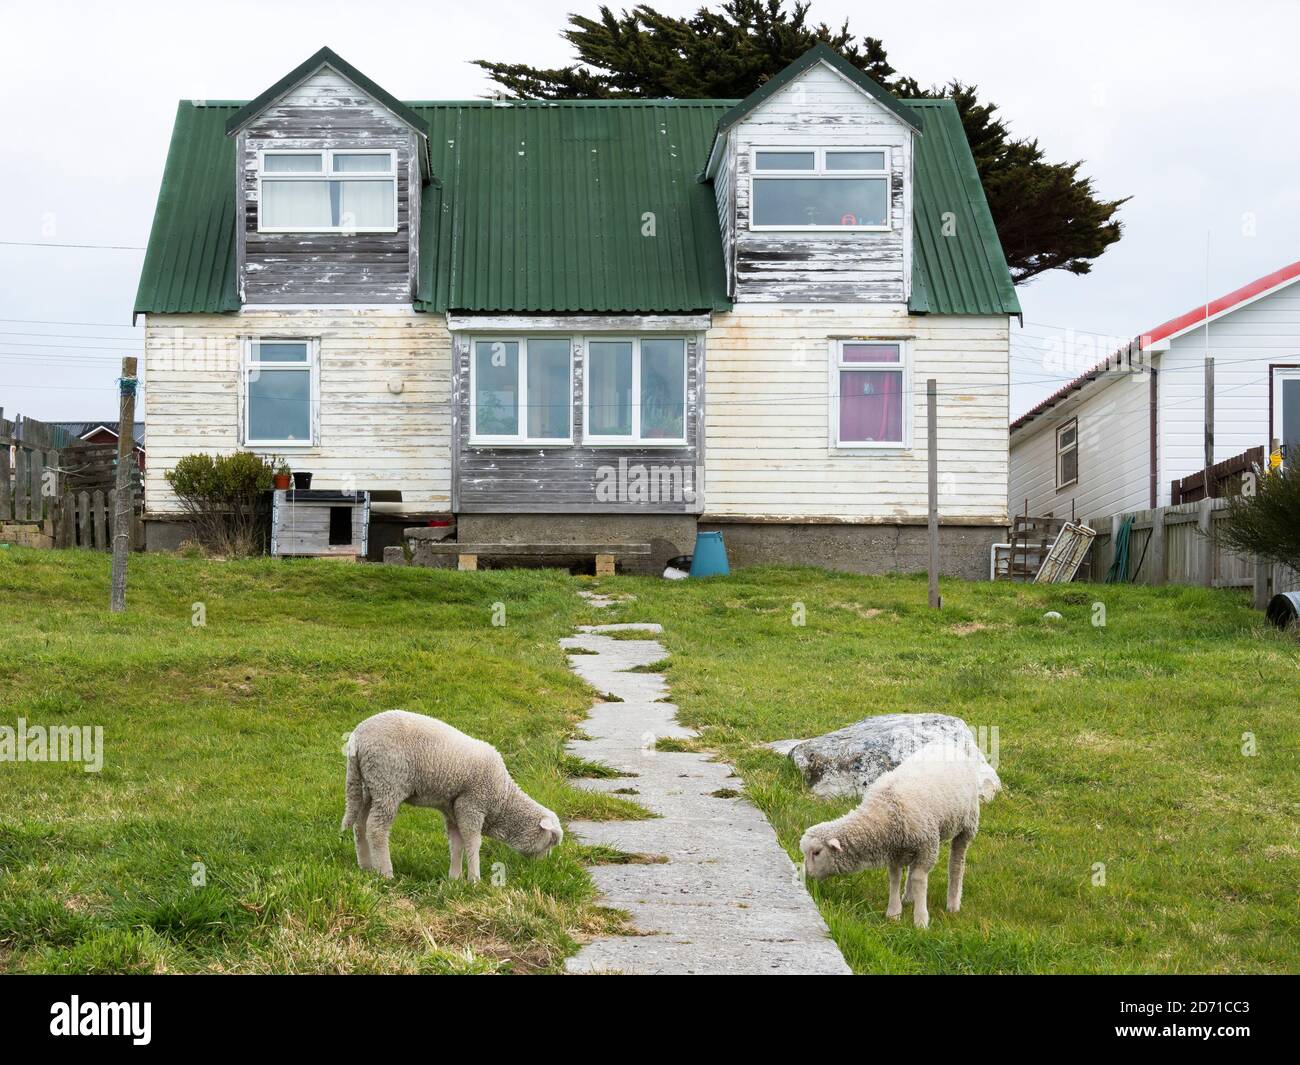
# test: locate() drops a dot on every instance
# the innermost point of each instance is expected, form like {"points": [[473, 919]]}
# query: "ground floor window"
{"points": [[636, 390], [279, 391], [869, 393], [521, 389]]}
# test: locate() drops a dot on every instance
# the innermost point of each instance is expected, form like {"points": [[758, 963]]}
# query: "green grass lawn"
{"points": [[1120, 746]]}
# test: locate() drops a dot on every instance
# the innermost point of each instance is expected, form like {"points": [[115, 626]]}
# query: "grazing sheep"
{"points": [[398, 757], [904, 816]]}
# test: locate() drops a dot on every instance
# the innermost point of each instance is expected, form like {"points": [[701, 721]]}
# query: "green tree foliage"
{"points": [[1267, 522], [1048, 216], [222, 495]]}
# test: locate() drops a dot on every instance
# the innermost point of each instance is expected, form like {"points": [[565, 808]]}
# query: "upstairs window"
{"points": [[328, 192], [869, 405], [520, 389], [1067, 453], [819, 188]]}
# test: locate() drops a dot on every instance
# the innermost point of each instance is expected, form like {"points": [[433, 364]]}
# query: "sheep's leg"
{"points": [[364, 860], [918, 879], [454, 845], [957, 869], [378, 825], [895, 908], [470, 823]]}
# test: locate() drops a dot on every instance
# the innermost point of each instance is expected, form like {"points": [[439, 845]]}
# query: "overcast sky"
{"points": [[1188, 107]]}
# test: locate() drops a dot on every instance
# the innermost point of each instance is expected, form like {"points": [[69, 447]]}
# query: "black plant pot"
{"points": [[301, 481]]}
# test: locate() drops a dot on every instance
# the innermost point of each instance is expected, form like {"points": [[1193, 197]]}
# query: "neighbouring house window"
{"points": [[1067, 453], [869, 393], [819, 188], [521, 389], [279, 392], [328, 192], [636, 390]]}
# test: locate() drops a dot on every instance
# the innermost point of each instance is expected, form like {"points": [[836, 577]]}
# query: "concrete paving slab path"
{"points": [[723, 896]]}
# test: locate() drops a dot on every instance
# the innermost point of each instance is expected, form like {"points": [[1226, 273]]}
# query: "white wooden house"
{"points": [[591, 320], [1115, 439]]}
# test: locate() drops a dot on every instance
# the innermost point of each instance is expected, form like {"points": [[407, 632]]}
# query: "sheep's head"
{"points": [[823, 855], [540, 834]]}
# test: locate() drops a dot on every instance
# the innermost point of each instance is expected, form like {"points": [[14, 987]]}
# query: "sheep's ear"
{"points": [[545, 823], [834, 844]]}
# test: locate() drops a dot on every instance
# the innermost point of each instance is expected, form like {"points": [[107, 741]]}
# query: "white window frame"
{"points": [[636, 439], [1073, 423], [837, 364], [312, 366], [1283, 372], [521, 438], [325, 174], [820, 173]]}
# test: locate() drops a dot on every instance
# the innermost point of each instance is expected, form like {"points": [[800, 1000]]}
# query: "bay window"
{"points": [[819, 188], [330, 191], [636, 390], [520, 389], [279, 392], [869, 393]]}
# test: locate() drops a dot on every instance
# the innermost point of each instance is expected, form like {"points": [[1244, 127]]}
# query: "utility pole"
{"points": [[125, 504], [1209, 424], [932, 449]]}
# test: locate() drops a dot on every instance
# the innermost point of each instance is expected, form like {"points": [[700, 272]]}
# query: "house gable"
{"points": [[324, 109], [852, 257]]}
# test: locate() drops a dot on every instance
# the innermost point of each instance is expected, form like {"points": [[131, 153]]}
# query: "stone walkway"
{"points": [[727, 899]]}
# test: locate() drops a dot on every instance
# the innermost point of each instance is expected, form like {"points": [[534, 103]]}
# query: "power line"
{"points": [[50, 321], [52, 244]]}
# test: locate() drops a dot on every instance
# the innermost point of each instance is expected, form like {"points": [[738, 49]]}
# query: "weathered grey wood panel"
{"points": [[557, 480], [327, 111]]}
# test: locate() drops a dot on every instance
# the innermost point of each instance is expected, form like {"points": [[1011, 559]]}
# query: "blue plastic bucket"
{"points": [[710, 558]]}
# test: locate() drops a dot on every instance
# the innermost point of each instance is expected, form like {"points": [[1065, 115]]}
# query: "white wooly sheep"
{"points": [[398, 757], [905, 815]]}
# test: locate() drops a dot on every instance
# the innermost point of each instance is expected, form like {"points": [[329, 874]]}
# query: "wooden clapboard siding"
{"points": [[819, 109], [328, 111], [1114, 454], [192, 397], [769, 378], [566, 479]]}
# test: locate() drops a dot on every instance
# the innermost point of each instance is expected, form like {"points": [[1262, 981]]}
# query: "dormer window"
{"points": [[338, 191], [819, 188]]}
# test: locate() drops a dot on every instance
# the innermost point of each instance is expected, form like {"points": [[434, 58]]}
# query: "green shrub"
{"points": [[1266, 522], [223, 495]]}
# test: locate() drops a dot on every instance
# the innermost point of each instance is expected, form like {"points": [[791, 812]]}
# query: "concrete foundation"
{"points": [[963, 549], [668, 535]]}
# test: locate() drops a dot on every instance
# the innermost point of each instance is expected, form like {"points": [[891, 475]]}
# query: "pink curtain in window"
{"points": [[871, 406]]}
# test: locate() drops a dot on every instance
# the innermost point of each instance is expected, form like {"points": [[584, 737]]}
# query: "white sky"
{"points": [[1189, 107]]}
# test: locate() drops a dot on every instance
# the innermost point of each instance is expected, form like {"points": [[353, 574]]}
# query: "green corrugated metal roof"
{"points": [[190, 262], [542, 206], [964, 270]]}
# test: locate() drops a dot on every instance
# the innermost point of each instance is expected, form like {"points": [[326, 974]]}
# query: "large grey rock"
{"points": [[846, 761]]}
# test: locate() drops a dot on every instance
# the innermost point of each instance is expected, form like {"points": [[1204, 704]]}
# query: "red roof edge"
{"points": [[1247, 292], [1170, 328]]}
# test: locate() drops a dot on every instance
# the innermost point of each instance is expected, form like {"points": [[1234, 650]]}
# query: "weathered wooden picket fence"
{"points": [[1177, 545], [55, 490]]}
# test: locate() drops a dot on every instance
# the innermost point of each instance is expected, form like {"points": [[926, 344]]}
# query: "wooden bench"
{"points": [[605, 555], [468, 554]]}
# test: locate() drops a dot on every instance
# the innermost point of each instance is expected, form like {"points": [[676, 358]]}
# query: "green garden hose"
{"points": [[1118, 572]]}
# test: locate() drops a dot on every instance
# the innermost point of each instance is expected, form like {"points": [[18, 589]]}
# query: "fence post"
{"points": [[122, 501], [6, 500], [83, 504], [1205, 544], [932, 460], [1158, 568]]}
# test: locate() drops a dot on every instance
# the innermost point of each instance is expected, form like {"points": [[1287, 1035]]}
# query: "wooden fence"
{"points": [[1225, 478], [56, 491], [1177, 545]]}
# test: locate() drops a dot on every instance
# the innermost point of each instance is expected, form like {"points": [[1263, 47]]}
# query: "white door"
{"points": [[1286, 412]]}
